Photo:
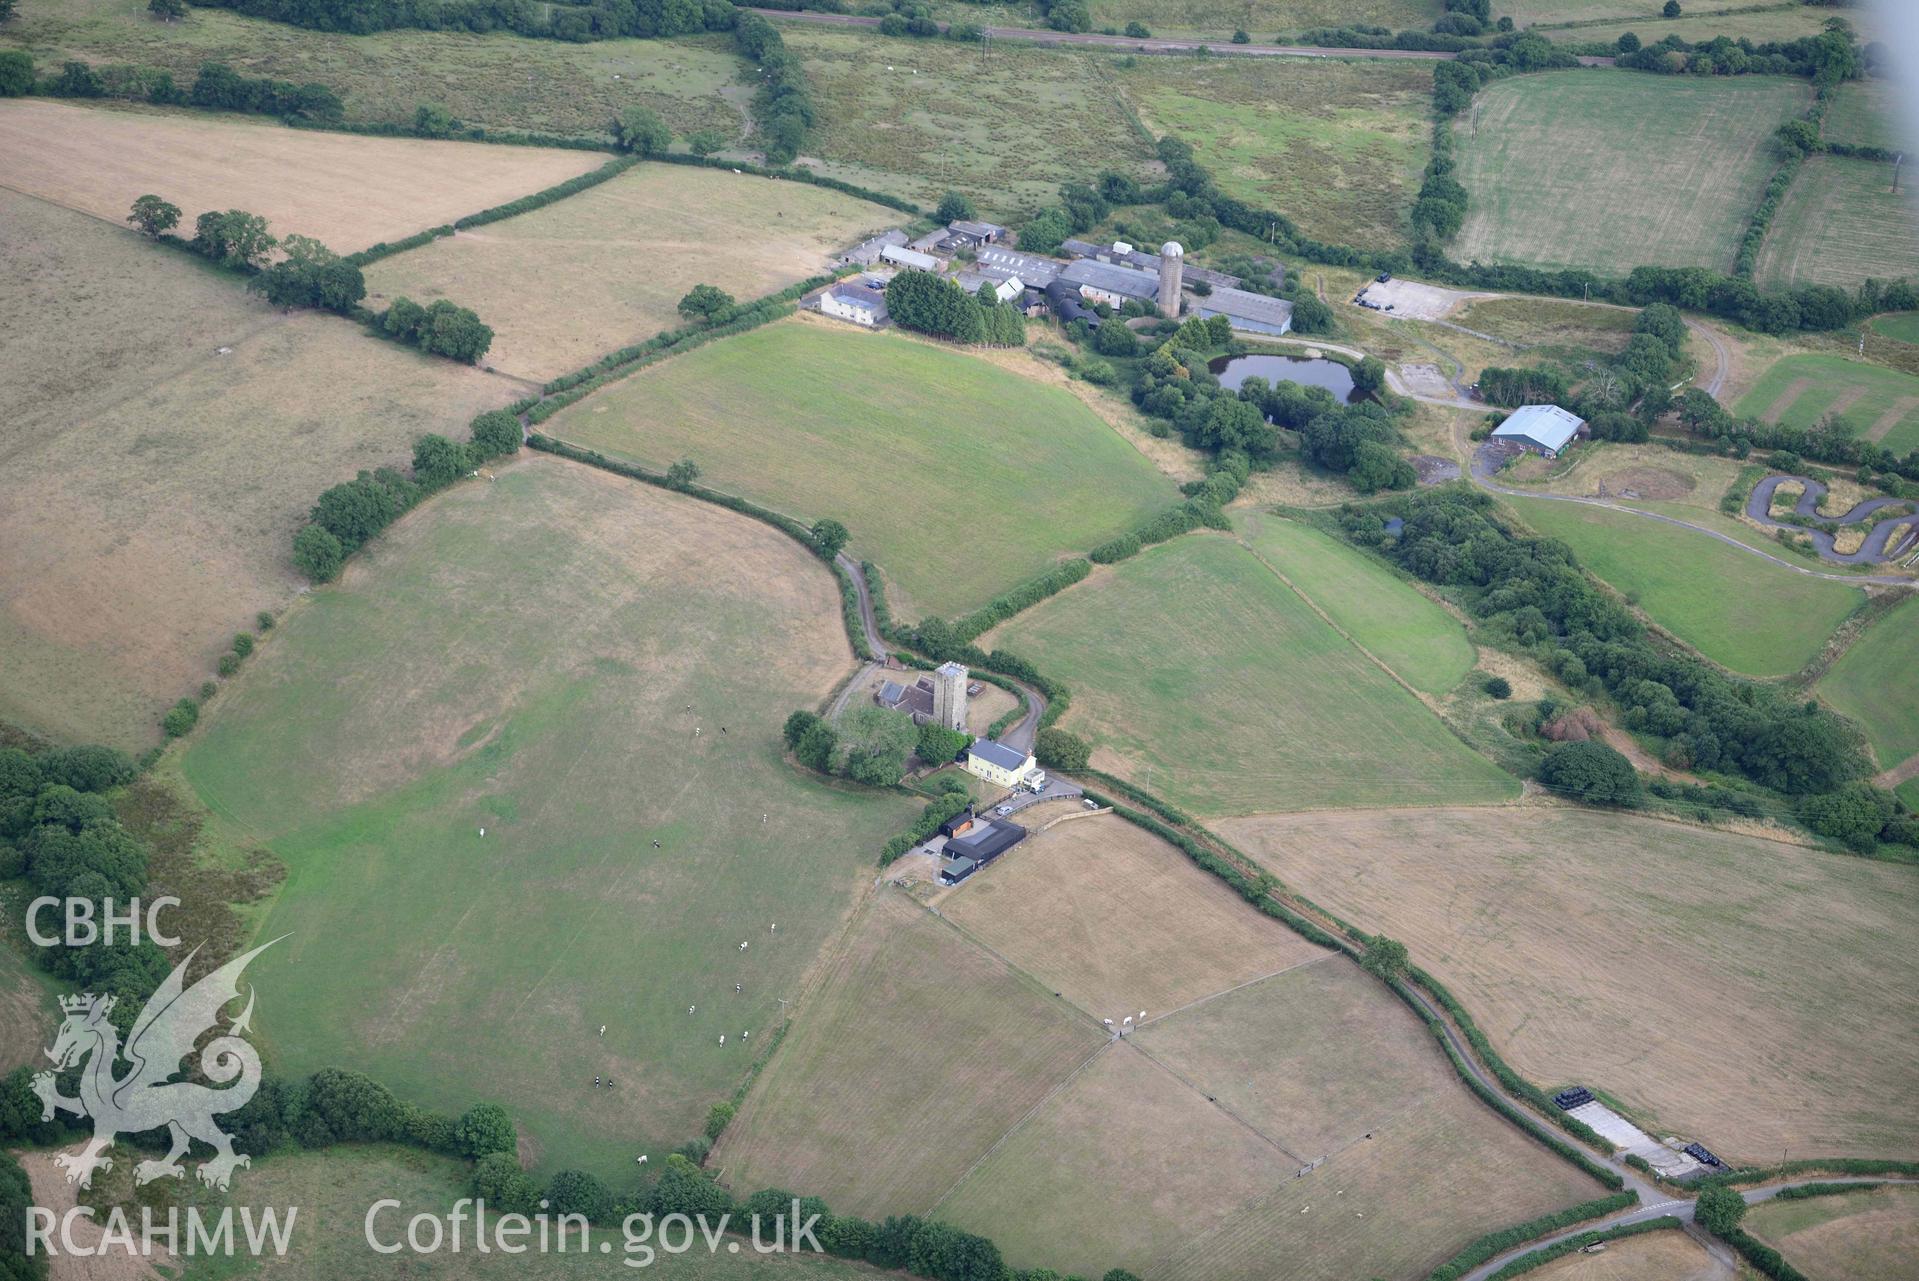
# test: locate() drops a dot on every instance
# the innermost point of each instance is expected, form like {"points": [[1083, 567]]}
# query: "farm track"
{"points": [[1045, 36]]}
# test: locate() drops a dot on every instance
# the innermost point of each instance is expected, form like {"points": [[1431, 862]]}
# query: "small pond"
{"points": [[1232, 371]]}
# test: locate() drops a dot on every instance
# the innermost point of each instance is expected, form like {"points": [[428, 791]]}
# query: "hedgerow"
{"points": [[1493, 1243]]}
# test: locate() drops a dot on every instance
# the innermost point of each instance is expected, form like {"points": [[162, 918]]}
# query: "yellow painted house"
{"points": [[1006, 766]]}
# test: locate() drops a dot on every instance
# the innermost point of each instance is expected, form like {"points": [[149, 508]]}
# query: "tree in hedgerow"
{"points": [[682, 474], [499, 1181], [167, 10], [577, 1192], [1719, 1210], [954, 207], [1672, 9], [1059, 749], [830, 535], [317, 553], [938, 745], [234, 237], [180, 718], [1591, 771], [641, 131], [154, 216], [877, 743], [703, 302], [1385, 958], [1797, 137], [485, 1128], [455, 332], [496, 433], [430, 121], [437, 461], [16, 66], [704, 142], [7, 8]]}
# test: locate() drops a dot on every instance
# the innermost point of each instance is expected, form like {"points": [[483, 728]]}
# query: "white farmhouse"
{"points": [[861, 304]]}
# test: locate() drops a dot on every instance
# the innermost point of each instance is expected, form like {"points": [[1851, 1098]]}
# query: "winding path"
{"points": [[1871, 552], [1222, 45]]}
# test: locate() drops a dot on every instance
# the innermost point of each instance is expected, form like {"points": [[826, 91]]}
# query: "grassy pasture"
{"points": [[1337, 146], [1875, 683], [1550, 322], [1197, 673], [1606, 20], [1839, 224], [1408, 632], [1114, 918], [527, 649], [1903, 326], [1866, 114], [1594, 169], [1863, 1236], [1006, 125], [1643, 958], [344, 190], [152, 484], [903, 440], [913, 1055], [1749, 614], [566, 284], [499, 80], [1261, 18], [1801, 390], [334, 1189]]}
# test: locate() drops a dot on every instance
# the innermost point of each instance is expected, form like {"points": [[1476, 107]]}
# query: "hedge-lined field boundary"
{"points": [[1540, 1258], [1495, 1243], [512, 208]]}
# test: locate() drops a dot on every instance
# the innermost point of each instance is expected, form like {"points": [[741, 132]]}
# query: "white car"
{"points": [[1003, 810]]}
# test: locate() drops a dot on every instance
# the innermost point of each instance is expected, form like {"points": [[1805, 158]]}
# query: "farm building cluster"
{"points": [[972, 842], [972, 254], [1546, 430]]}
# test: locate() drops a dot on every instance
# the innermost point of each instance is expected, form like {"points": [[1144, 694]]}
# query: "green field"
{"points": [[1876, 682], [1595, 169], [1261, 18], [1420, 641], [334, 1189], [1007, 125], [1800, 391], [958, 477], [1840, 224], [1337, 146], [1199, 674], [499, 80], [518, 657], [1903, 326], [1866, 114], [1749, 614]]}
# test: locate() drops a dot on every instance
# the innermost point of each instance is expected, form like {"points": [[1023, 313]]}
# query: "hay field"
{"points": [[152, 485], [1800, 391], [1593, 169], [1198, 674], [1336, 146], [498, 80], [1261, 18], [334, 1189], [1875, 683], [1655, 1256], [1409, 632], [1862, 1236], [914, 1054], [566, 284], [1116, 920], [526, 650], [1241, 1091], [345, 190], [958, 477], [1866, 114], [1556, 324], [1644, 959], [1006, 126], [1701, 590], [1839, 224]]}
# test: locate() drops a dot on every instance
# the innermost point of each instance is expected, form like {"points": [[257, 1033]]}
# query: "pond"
{"points": [[1233, 371]]}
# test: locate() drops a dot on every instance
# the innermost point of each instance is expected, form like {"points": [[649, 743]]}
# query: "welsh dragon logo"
{"points": [[144, 1097]]}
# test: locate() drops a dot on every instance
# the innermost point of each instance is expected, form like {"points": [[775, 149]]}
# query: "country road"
{"points": [[1046, 36]]}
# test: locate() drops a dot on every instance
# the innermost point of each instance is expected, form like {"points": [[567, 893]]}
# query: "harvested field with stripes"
{"points": [[1800, 391], [1839, 224]]}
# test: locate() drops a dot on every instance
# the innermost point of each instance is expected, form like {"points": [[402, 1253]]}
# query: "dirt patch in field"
{"points": [[1654, 484], [1894, 415], [1433, 470], [1777, 409], [51, 1191], [1412, 300], [346, 190]]}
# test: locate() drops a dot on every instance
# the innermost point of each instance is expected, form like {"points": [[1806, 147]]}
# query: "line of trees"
{"points": [[1534, 594], [933, 304], [349, 515], [217, 87], [441, 328]]}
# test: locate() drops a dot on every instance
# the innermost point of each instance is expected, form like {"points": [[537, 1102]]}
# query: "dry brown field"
{"points": [[346, 190], [914, 1055], [152, 484], [1648, 960], [1656, 1256], [566, 284], [1860, 1236], [1118, 921]]}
